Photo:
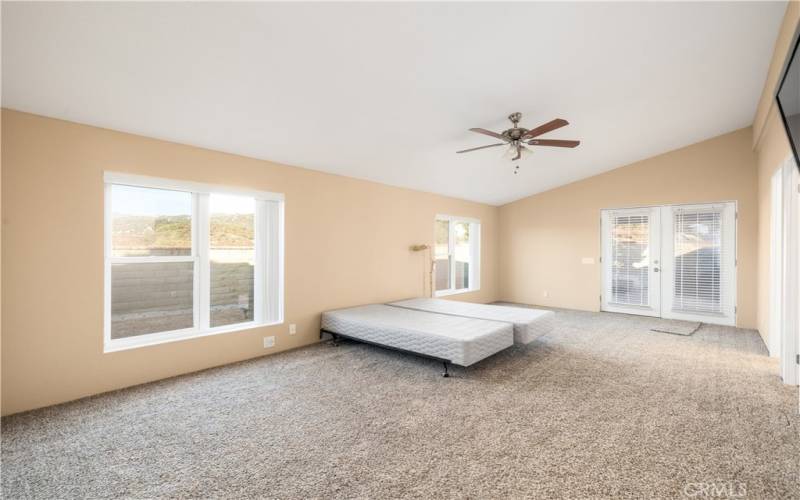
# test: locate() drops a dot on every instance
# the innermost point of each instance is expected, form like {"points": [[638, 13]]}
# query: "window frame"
{"points": [[268, 269], [474, 258]]}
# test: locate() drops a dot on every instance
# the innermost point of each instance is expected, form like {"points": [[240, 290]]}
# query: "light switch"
{"points": [[587, 260]]}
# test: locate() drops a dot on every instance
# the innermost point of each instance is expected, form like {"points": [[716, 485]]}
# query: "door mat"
{"points": [[676, 327]]}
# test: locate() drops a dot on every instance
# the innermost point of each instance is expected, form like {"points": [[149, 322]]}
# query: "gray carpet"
{"points": [[602, 407]]}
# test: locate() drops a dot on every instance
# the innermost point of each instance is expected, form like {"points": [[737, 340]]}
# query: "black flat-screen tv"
{"points": [[788, 97]]}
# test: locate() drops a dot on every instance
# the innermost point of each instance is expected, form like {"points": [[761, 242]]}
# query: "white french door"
{"points": [[675, 261], [630, 261]]}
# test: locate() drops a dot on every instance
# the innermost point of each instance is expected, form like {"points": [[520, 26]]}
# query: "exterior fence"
{"points": [[443, 272], [160, 296]]}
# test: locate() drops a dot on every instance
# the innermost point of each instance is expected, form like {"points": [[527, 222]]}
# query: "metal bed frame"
{"points": [[336, 336]]}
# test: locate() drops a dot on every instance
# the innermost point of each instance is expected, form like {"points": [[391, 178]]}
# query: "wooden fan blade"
{"points": [[481, 147], [547, 127], [554, 142], [489, 133]]}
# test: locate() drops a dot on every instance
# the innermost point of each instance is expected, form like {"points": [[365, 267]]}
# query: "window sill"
{"points": [[152, 339], [445, 293]]}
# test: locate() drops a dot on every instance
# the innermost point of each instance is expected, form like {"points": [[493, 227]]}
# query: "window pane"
{"points": [[150, 298], [442, 255], [698, 282], [462, 255], [232, 256], [148, 222], [630, 255]]}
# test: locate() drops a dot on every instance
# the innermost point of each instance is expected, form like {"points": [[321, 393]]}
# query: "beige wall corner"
{"points": [[771, 147], [772, 150], [347, 243], [545, 237]]}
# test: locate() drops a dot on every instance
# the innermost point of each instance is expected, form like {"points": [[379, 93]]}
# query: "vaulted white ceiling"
{"points": [[387, 91]]}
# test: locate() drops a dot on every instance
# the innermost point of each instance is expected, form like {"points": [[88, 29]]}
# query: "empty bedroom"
{"points": [[400, 250]]}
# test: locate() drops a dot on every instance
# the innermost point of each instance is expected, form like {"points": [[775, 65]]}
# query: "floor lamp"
{"points": [[421, 248]]}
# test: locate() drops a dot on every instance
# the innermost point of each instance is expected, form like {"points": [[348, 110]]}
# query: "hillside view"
{"points": [[137, 232]]}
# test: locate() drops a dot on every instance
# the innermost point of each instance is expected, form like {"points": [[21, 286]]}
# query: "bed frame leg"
{"points": [[446, 373], [334, 337]]}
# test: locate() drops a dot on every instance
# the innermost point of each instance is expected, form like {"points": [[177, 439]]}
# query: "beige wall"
{"points": [[543, 237], [346, 243], [771, 147]]}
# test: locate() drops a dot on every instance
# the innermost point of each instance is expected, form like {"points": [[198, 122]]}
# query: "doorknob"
{"points": [[655, 269]]}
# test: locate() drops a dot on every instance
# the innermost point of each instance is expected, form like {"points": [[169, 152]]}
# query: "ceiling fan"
{"points": [[517, 137]]}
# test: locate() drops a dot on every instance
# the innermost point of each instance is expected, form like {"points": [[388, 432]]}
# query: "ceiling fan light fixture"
{"points": [[516, 151], [517, 138]]}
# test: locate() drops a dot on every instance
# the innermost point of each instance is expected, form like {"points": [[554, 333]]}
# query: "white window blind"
{"points": [[630, 259], [699, 277]]}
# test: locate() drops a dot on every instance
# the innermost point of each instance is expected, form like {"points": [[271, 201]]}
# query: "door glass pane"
{"points": [[232, 256], [442, 255], [630, 254], [698, 241], [150, 222], [150, 298], [462, 255]]}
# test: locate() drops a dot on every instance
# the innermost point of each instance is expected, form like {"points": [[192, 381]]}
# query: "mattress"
{"points": [[460, 340], [529, 324]]}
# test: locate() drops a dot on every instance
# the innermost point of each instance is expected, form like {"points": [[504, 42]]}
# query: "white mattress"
{"points": [[462, 341], [529, 324]]}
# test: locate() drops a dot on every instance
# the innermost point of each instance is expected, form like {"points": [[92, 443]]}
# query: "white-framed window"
{"points": [[457, 254], [185, 260]]}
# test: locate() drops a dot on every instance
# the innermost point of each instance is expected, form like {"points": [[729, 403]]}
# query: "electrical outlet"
{"points": [[545, 294], [292, 329], [269, 342]]}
